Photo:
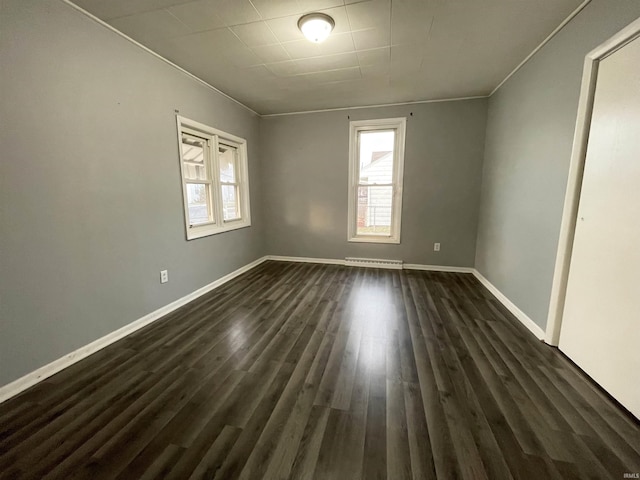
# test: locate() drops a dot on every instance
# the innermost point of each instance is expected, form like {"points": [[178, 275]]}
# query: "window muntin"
{"points": [[375, 177], [214, 179]]}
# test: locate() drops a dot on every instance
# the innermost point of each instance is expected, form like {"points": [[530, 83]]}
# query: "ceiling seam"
{"points": [[353, 43], [274, 36], [173, 15]]}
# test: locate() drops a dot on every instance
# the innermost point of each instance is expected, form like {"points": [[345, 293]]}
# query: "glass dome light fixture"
{"points": [[316, 26]]}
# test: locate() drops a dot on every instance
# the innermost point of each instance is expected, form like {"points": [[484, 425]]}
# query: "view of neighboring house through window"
{"points": [[375, 204], [197, 177], [214, 179], [228, 155], [375, 183]]}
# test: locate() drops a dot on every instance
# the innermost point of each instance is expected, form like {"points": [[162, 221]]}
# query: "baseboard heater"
{"points": [[373, 263]]}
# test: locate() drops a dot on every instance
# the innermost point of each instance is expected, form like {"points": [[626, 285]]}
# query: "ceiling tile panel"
{"points": [[150, 25], [302, 49], [236, 12], [255, 34], [405, 59], [376, 56], [371, 38], [198, 16], [411, 21], [376, 71], [314, 5], [338, 43], [334, 75], [286, 28], [282, 8], [271, 53], [256, 74], [212, 42], [284, 69], [371, 14], [328, 62], [341, 43], [242, 58]]}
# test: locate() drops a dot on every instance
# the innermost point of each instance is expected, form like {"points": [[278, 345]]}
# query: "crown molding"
{"points": [[360, 107], [542, 44]]}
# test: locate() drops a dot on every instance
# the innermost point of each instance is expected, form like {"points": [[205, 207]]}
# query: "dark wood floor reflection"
{"points": [[321, 371]]}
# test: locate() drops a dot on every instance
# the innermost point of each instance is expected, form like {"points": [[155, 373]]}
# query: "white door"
{"points": [[601, 322]]}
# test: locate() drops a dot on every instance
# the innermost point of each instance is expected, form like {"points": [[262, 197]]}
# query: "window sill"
{"points": [[214, 229], [374, 239]]}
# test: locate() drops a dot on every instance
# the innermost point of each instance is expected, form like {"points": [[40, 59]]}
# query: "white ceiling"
{"points": [[381, 51]]}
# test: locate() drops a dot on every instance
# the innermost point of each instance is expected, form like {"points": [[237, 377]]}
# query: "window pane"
{"points": [[374, 210], [376, 157], [198, 203], [230, 204], [193, 150], [227, 156]]}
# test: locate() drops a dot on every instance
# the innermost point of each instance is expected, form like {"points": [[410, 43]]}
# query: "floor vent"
{"points": [[373, 263]]}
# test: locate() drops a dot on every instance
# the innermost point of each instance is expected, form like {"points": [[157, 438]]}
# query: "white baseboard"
{"points": [[519, 314], [330, 261], [14, 388], [437, 268], [381, 264]]}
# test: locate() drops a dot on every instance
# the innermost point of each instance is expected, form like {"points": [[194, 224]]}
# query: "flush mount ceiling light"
{"points": [[316, 26]]}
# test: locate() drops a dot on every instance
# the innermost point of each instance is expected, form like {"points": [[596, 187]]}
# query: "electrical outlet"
{"points": [[436, 247], [164, 276]]}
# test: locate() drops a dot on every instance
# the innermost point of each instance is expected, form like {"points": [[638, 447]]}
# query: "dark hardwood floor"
{"points": [[321, 371]]}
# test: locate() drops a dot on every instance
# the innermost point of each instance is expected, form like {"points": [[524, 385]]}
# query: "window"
{"points": [[215, 183], [376, 159]]}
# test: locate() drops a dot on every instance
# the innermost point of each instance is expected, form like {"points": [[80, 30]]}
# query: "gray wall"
{"points": [[530, 130], [306, 183], [91, 205]]}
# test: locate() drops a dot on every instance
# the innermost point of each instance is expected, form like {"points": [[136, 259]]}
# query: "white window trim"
{"points": [[399, 125], [212, 135]]}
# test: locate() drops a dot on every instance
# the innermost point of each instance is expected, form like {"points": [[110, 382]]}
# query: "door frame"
{"points": [[576, 172]]}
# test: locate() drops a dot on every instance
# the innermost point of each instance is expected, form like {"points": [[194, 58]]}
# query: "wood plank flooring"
{"points": [[312, 371]]}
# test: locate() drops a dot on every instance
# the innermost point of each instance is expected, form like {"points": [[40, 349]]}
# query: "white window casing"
{"points": [[209, 217], [384, 189]]}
